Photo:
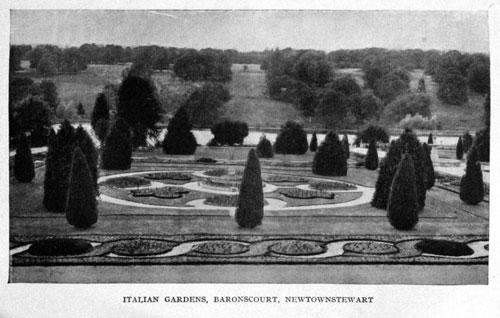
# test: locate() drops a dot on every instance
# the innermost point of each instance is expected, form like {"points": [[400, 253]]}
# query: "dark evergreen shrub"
{"points": [[86, 145], [212, 143], [313, 146], [330, 159], [482, 143], [60, 247], [264, 148], [383, 185], [442, 247], [81, 206], [345, 144], [471, 184], [430, 139], [460, 149], [292, 139], [402, 208], [430, 176], [374, 132], [24, 169], [58, 167], [250, 210], [101, 129], [80, 111], [101, 110], [466, 141], [230, 132], [117, 150], [179, 139], [371, 159]]}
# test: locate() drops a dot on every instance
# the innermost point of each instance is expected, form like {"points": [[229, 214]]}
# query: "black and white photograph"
{"points": [[295, 147]]}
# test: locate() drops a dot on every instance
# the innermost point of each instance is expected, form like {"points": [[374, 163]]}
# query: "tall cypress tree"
{"points": [[117, 151], [330, 159], [24, 169], [371, 159], [471, 184], [345, 144], [100, 111], [179, 139], [81, 205], [430, 176], [460, 149], [86, 145], [313, 146], [402, 209], [250, 209], [430, 139]]}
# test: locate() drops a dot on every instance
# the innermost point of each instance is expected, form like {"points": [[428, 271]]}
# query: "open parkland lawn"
{"points": [[345, 241]]}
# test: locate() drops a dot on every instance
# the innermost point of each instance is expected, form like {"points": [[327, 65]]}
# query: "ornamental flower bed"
{"points": [[305, 194], [280, 178], [168, 175], [126, 182], [220, 172], [142, 247], [322, 186], [297, 248], [224, 200], [221, 248], [161, 193]]}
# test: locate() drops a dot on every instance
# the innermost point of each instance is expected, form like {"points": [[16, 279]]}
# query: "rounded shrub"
{"points": [[264, 148], [292, 139], [374, 132], [402, 208], [24, 169], [330, 159], [371, 159], [250, 209], [430, 176], [345, 144], [313, 146], [81, 206], [230, 132], [460, 149], [117, 150], [179, 139], [471, 184]]}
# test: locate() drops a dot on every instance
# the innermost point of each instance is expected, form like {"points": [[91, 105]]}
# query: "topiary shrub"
{"points": [[81, 206], [430, 139], [264, 148], [117, 150], [467, 141], [445, 248], [86, 145], [471, 184], [179, 139], [430, 176], [313, 146], [330, 159], [250, 210], [100, 111], [24, 169], [371, 159], [482, 143], [230, 132], [402, 208], [345, 144], [292, 139], [374, 132], [60, 247], [101, 129], [460, 149]]}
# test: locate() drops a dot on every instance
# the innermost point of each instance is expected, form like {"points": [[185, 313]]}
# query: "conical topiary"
{"points": [[460, 149], [24, 169], [402, 209], [430, 176], [430, 139], [100, 111], [313, 145], [117, 150], [330, 159], [466, 141], [371, 159], [250, 208], [345, 144], [179, 139], [264, 148], [471, 184], [81, 205], [86, 145]]}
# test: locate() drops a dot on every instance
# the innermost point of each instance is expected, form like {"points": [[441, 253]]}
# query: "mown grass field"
{"points": [[250, 101]]}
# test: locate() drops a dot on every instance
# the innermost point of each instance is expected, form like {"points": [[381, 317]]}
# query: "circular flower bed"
{"points": [[445, 248], [322, 186], [60, 247], [280, 178], [372, 247], [305, 194], [221, 248], [168, 175], [126, 182], [142, 247], [297, 248]]}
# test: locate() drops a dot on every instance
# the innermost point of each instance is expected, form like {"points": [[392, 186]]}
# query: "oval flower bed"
{"points": [[297, 248], [126, 182], [161, 193], [371, 247], [221, 248], [445, 248], [224, 200], [142, 247], [334, 185], [305, 194], [60, 247], [225, 185], [168, 175]]}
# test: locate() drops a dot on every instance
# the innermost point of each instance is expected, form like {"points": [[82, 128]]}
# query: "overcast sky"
{"points": [[256, 30]]}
